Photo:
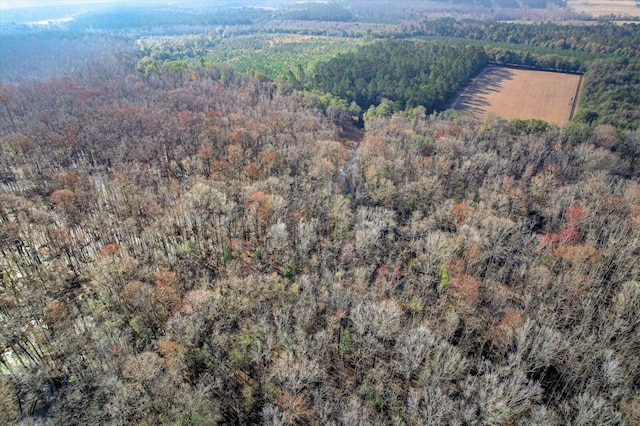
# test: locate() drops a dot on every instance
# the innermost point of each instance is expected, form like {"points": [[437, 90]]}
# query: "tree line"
{"points": [[603, 38], [408, 73], [327, 12], [611, 93]]}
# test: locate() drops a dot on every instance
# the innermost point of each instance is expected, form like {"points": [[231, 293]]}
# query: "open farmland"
{"points": [[605, 7], [524, 94]]}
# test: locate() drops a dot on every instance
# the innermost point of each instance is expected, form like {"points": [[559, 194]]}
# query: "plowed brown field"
{"points": [[525, 94], [605, 7]]}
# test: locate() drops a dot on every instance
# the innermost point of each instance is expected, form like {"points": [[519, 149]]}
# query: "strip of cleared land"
{"points": [[605, 7], [516, 93]]}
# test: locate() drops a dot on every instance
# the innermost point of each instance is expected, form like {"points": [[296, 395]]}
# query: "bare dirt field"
{"points": [[605, 7], [525, 94]]}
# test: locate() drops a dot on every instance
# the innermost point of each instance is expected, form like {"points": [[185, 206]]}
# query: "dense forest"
{"points": [[612, 93], [42, 54], [192, 247], [405, 72], [195, 231], [601, 38], [318, 12]]}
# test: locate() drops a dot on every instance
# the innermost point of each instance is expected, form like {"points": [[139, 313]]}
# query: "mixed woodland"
{"points": [[184, 242]]}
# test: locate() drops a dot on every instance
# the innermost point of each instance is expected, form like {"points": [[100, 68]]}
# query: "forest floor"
{"points": [[350, 134], [524, 94]]}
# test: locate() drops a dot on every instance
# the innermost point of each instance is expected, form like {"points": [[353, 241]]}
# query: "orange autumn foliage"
{"points": [[461, 213], [466, 289], [110, 250], [62, 196]]}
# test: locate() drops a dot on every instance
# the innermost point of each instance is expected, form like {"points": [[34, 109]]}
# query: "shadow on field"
{"points": [[472, 97]]}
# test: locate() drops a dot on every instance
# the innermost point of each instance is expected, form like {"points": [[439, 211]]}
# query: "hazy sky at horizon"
{"points": [[14, 4], [17, 4]]}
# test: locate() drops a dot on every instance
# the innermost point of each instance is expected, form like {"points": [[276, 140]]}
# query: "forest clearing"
{"points": [[605, 7], [524, 94]]}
